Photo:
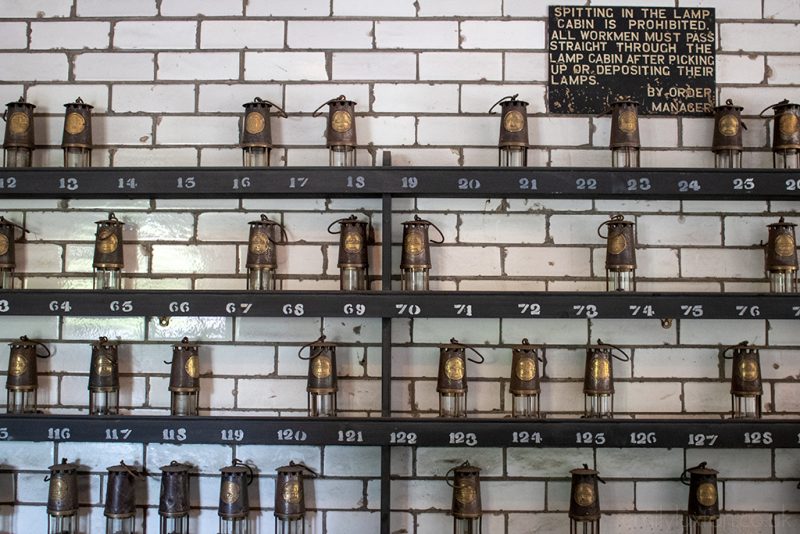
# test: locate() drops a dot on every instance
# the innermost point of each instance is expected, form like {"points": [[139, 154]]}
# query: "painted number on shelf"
{"points": [[354, 309], [297, 182], [589, 310], [463, 438], [293, 309], [409, 182], [685, 186], [526, 437], [744, 184], [59, 433], [242, 183], [642, 184], [3, 434], [126, 183], [8, 183], [528, 184], [748, 311], [356, 182], [242, 307], [758, 438], [463, 309], [182, 307], [231, 434], [582, 184], [287, 434], [407, 309], [692, 310], [638, 311], [529, 309], [187, 182], [70, 184], [56, 305], [793, 184], [125, 306], [403, 438], [590, 438], [643, 438], [4, 307], [118, 434], [702, 440], [350, 436], [173, 434], [469, 184], [795, 309]]}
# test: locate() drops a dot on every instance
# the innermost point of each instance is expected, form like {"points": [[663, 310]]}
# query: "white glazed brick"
{"points": [[476, 98], [30, 9], [547, 261], [33, 327], [760, 496], [273, 394], [474, 331], [155, 35], [787, 398], [559, 130], [152, 98], [526, 66], [208, 8], [416, 35], [722, 332], [287, 8], [740, 68], [460, 66], [387, 130], [206, 259], [366, 8], [660, 496], [197, 130], [230, 97], [114, 66], [656, 132], [513, 495], [198, 66], [33, 67], [781, 9], [467, 261], [414, 98], [576, 229], [293, 66], [329, 35], [241, 34], [783, 69], [124, 131], [503, 35], [680, 230], [725, 263], [82, 328], [204, 458], [754, 99], [51, 98], [748, 231], [300, 96], [647, 397], [70, 35], [757, 37], [140, 157], [444, 8], [625, 332], [197, 328], [374, 66], [676, 363], [459, 130], [501, 228], [116, 8]]}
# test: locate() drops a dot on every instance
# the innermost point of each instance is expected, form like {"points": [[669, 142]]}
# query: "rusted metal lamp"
{"points": [[234, 502], [415, 264], [341, 131], [290, 502], [452, 383], [77, 140], [256, 138], [184, 380], [525, 384], [746, 387], [781, 257], [353, 253], [22, 382], [104, 378], [19, 140], [8, 256], [262, 256], [727, 145], [513, 143], [322, 382], [786, 135], [120, 508], [703, 509], [584, 506], [173, 505], [467, 509], [598, 381], [108, 253], [62, 498], [620, 253], [625, 142]]}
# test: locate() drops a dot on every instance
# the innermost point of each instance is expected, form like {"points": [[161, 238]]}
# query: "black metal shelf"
{"points": [[530, 182], [396, 304], [397, 432]]}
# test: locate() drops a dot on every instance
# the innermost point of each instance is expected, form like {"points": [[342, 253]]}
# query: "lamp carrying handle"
{"points": [[352, 218], [626, 357], [509, 97], [781, 103], [284, 236], [299, 352], [276, 106], [454, 341], [419, 219], [724, 351], [339, 98], [614, 218], [684, 478]]}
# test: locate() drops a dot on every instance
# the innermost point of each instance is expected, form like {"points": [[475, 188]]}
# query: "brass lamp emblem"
{"points": [[627, 121], [259, 244], [784, 245], [513, 121], [729, 125], [58, 489], [707, 494], [321, 367], [3, 245], [526, 369], [748, 370], [19, 122], [600, 369], [107, 242], [75, 123], [254, 123], [617, 243], [465, 494], [191, 366], [18, 364], [352, 242], [454, 368], [414, 244], [104, 366], [788, 124], [584, 494], [341, 121], [291, 492], [230, 492]]}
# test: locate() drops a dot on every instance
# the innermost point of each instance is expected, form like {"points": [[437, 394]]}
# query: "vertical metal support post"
{"points": [[386, 360]]}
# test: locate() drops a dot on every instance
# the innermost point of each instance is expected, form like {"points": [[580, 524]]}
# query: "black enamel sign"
{"points": [[662, 57]]}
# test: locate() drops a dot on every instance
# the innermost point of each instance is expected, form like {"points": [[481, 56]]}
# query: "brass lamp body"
{"points": [[452, 382], [234, 501], [290, 502], [584, 504], [19, 140], [598, 381], [62, 499], [340, 131], [785, 135], [104, 378], [625, 142], [703, 507], [467, 509], [727, 143], [525, 386], [22, 381], [108, 254], [256, 137], [184, 380], [746, 386], [173, 504], [120, 507], [8, 256], [77, 139], [353, 253], [780, 257], [415, 263], [513, 143], [262, 255], [322, 381], [620, 254]]}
